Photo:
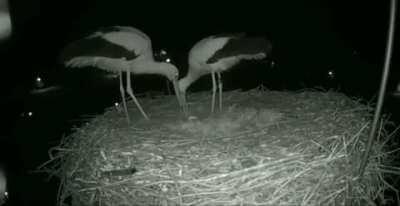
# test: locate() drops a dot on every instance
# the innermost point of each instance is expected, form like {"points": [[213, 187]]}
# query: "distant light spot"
{"points": [[163, 52], [272, 64], [117, 107], [26, 114], [168, 60], [331, 74], [39, 82]]}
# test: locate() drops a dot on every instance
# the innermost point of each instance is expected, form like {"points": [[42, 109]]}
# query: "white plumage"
{"points": [[120, 49], [219, 53]]}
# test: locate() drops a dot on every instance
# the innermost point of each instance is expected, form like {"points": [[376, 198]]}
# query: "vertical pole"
{"points": [[385, 74], [5, 20]]}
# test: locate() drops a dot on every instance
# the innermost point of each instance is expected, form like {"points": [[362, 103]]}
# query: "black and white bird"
{"points": [[218, 53], [120, 49]]}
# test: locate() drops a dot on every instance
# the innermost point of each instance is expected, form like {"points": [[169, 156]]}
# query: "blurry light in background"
{"points": [[162, 56], [272, 64], [331, 74], [39, 82], [117, 107], [26, 115]]}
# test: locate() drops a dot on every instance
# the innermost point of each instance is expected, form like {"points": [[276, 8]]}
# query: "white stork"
{"points": [[120, 49], [219, 53]]}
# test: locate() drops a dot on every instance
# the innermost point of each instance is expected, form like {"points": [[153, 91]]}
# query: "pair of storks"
{"points": [[127, 49]]}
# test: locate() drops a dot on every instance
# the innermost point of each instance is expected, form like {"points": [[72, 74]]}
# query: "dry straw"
{"points": [[264, 148]]}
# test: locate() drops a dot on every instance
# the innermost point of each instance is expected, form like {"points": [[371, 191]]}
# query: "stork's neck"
{"points": [[148, 67], [186, 81]]}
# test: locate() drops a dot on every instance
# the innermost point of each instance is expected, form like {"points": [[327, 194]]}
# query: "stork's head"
{"points": [[170, 71]]}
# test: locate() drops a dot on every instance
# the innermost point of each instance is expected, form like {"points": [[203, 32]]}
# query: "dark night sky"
{"points": [[306, 34], [181, 24]]}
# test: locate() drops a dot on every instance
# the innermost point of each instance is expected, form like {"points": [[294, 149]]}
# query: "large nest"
{"points": [[264, 148]]}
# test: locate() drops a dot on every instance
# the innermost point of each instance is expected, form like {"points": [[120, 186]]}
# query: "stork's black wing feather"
{"points": [[239, 46], [95, 47]]}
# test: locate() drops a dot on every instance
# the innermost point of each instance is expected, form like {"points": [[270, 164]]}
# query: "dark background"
{"points": [[309, 39], [308, 36]]}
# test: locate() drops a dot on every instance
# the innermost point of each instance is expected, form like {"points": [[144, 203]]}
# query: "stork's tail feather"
{"points": [[80, 62], [112, 65], [243, 48], [252, 56], [257, 45]]}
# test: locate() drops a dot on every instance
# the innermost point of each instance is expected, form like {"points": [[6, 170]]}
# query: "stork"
{"points": [[120, 49], [218, 53]]}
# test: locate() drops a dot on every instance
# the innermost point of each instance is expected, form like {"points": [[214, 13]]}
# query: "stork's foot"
{"points": [[185, 110]]}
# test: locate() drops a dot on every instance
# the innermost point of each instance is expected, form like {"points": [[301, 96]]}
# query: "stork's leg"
{"points": [[168, 87], [185, 106], [184, 103], [130, 92], [220, 90], [121, 89], [214, 89]]}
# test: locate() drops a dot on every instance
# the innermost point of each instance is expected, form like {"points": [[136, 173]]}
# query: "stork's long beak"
{"points": [[181, 98], [177, 92]]}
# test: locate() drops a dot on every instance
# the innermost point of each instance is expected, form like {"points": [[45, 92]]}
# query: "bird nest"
{"points": [[263, 148]]}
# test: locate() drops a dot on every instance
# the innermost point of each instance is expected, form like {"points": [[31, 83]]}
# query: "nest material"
{"points": [[264, 148]]}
